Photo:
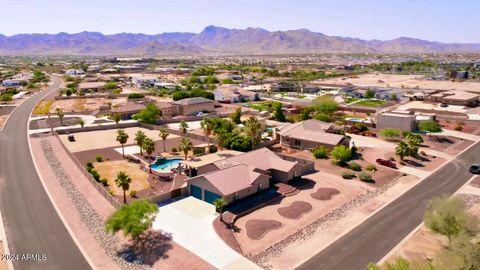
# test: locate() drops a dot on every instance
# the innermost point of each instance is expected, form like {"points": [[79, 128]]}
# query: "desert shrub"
{"points": [[133, 194], [365, 177], [89, 169], [212, 149], [174, 150], [104, 181], [391, 158], [354, 166], [68, 92], [348, 175], [99, 158], [423, 153], [89, 164], [95, 175], [320, 152], [458, 127], [405, 133], [371, 168], [135, 96], [198, 151]]}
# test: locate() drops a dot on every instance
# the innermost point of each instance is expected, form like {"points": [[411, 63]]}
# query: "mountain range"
{"points": [[215, 40]]}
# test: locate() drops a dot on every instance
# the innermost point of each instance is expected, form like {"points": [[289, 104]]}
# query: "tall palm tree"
{"points": [[149, 147], [253, 128], [207, 126], [122, 138], [183, 127], [123, 181], [60, 115], [139, 138], [185, 146], [164, 134]]}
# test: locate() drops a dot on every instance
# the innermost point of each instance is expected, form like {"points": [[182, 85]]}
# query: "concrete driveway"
{"points": [[189, 220]]}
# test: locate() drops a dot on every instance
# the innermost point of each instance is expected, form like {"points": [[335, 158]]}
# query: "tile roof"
{"points": [[312, 130], [231, 179], [192, 101]]}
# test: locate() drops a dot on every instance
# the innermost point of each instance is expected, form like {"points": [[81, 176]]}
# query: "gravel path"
{"points": [[94, 221]]}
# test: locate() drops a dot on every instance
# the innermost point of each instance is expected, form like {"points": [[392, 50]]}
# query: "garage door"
{"points": [[210, 197], [196, 192]]}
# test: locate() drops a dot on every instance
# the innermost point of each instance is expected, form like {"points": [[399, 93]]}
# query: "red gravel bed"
{"points": [[296, 210], [324, 194], [257, 228], [475, 182], [226, 235]]}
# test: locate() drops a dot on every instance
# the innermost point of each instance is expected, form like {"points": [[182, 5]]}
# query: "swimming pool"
{"points": [[164, 164]]}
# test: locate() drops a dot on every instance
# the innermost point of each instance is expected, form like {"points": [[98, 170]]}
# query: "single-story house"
{"points": [[400, 119], [230, 183], [167, 109], [192, 106], [127, 110], [233, 94], [142, 80], [203, 164], [91, 87], [457, 97], [310, 134]]}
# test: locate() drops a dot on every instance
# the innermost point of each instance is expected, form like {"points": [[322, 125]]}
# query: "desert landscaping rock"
{"points": [[296, 210], [257, 228], [94, 221], [324, 194]]}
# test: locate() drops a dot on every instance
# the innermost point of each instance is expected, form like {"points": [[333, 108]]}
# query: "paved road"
{"points": [[32, 225], [373, 239]]}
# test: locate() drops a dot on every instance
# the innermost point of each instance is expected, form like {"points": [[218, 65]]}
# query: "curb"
{"points": [[3, 237], [383, 206], [62, 218]]}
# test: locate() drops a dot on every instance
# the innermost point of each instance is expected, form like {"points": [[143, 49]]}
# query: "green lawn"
{"points": [[351, 99], [370, 103], [261, 106]]}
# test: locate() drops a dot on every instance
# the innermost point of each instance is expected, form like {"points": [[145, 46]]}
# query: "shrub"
{"points": [[135, 96], [174, 150], [111, 192], [198, 151], [405, 133], [95, 175], [99, 158], [365, 177], [133, 194], [104, 181], [68, 92], [89, 169], [341, 153], [320, 152], [423, 153], [391, 158], [371, 168], [89, 164], [390, 133], [348, 175], [212, 149], [323, 117], [458, 128], [354, 166]]}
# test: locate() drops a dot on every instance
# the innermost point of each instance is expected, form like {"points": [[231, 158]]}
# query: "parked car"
{"points": [[386, 163], [475, 168], [71, 138], [443, 105]]}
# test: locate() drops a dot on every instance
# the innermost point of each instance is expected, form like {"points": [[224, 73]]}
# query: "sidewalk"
{"points": [[87, 225], [4, 265]]}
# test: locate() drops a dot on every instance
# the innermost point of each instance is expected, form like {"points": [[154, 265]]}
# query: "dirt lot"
{"points": [[84, 104], [407, 81], [109, 170], [106, 138], [4, 113], [467, 127], [53, 122], [279, 211], [447, 144]]}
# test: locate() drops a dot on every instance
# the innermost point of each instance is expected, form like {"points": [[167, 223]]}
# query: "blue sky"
{"points": [[440, 20]]}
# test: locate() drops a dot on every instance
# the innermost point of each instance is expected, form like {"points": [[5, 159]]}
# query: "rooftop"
{"points": [[89, 85], [192, 101], [210, 158], [312, 130]]}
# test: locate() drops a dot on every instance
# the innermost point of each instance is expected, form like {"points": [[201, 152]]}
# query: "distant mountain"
{"points": [[215, 40]]}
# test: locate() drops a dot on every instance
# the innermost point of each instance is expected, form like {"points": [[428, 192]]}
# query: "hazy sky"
{"points": [[438, 20]]}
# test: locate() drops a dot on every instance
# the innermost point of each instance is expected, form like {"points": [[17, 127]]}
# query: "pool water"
{"points": [[164, 164]]}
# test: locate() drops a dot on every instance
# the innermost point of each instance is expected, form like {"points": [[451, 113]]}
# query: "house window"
{"points": [[298, 142]]}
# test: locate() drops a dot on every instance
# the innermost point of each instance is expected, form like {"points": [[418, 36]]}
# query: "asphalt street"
{"points": [[374, 238], [31, 223]]}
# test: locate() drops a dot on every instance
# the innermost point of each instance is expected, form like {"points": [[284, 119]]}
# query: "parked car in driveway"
{"points": [[475, 168], [386, 163]]}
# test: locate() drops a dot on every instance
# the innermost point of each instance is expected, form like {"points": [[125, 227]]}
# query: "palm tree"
{"points": [[123, 181], [164, 134], [219, 206], [183, 127], [81, 122], [139, 137], [149, 147], [60, 115], [253, 128], [185, 146], [207, 126], [122, 138], [116, 117]]}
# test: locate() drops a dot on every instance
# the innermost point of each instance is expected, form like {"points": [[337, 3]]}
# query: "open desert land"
{"points": [[402, 81], [84, 104]]}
